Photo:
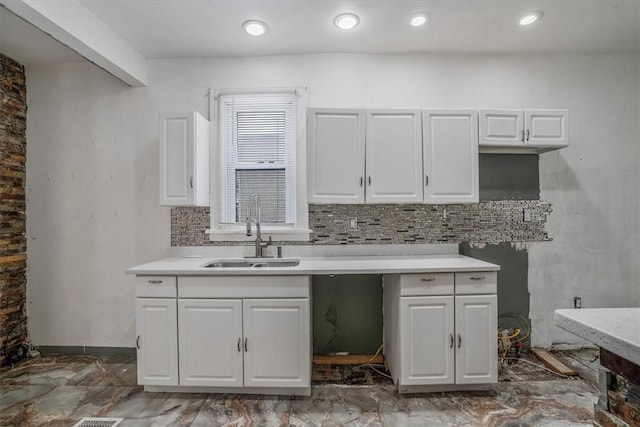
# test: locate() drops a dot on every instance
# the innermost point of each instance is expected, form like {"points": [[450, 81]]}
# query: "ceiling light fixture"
{"points": [[346, 21], [530, 18], [420, 19], [255, 28]]}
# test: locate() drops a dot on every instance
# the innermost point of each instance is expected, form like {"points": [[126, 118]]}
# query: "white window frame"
{"points": [[298, 231]]}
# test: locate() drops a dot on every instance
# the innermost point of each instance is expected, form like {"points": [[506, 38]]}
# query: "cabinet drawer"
{"points": [[426, 284], [244, 287], [482, 282], [156, 286]]}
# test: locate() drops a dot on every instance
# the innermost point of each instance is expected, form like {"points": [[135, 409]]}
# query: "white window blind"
{"points": [[258, 135]]}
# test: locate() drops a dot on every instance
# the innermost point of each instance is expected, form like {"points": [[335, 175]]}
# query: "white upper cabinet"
{"points": [[335, 155], [184, 160], [450, 156], [337, 142], [523, 131], [501, 127], [393, 156], [546, 128]]}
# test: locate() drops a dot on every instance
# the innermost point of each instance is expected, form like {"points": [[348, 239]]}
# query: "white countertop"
{"points": [[191, 265], [614, 329]]}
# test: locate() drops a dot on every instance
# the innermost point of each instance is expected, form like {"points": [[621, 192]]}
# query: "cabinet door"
{"points": [[210, 342], [335, 156], [450, 156], [277, 343], [184, 160], [476, 339], [394, 156], [157, 341], [547, 128], [426, 335], [502, 128]]}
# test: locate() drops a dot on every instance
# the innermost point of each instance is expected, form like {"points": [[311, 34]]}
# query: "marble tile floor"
{"points": [[59, 390]]}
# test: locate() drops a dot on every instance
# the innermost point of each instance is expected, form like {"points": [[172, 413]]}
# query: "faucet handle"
{"points": [[267, 243]]}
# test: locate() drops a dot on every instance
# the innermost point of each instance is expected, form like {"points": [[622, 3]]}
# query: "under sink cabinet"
{"points": [[440, 330], [230, 334]]}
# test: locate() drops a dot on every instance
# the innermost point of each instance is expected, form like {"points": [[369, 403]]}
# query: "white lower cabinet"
{"points": [[476, 339], [156, 329], [224, 334], [438, 335], [277, 342], [427, 340], [250, 342], [210, 341], [156, 343]]}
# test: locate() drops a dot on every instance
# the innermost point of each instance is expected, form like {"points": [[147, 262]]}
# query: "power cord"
{"points": [[373, 366]]}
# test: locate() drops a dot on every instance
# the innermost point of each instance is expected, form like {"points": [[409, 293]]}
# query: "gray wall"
{"points": [[92, 173]]}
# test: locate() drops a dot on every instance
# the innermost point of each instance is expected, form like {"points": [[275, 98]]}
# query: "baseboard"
{"points": [[87, 350]]}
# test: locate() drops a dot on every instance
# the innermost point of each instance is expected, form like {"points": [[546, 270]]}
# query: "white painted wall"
{"points": [[92, 170]]}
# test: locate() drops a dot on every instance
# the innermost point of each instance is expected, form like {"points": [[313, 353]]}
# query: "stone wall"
{"points": [[485, 222], [13, 244]]}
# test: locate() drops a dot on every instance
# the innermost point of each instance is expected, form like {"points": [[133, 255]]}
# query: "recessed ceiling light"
{"points": [[255, 28], [420, 19], [346, 21], [530, 18]]}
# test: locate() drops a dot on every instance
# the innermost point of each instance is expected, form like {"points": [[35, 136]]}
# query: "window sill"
{"points": [[277, 234]]}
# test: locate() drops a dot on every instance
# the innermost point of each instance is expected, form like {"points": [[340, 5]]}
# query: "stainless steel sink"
{"points": [[287, 263], [257, 263], [229, 264]]}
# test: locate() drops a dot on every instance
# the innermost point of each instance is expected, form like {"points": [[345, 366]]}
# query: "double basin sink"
{"points": [[254, 263]]}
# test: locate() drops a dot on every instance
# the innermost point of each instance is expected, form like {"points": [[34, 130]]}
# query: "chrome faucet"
{"points": [[254, 201]]}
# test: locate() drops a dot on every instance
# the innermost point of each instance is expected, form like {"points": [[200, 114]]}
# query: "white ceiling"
{"points": [[206, 28]]}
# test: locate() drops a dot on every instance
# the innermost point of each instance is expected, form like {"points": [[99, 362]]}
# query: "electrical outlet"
{"points": [[526, 213], [353, 223]]}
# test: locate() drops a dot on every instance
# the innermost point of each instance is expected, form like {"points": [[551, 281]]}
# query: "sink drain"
{"points": [[98, 422]]}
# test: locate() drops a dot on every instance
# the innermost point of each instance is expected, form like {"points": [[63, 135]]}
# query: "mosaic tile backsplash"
{"points": [[485, 222]]}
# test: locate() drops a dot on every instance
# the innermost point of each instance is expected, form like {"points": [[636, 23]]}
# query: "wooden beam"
{"points": [[552, 362], [348, 359]]}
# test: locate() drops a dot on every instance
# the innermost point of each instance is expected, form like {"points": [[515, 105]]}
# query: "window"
{"points": [[258, 153]]}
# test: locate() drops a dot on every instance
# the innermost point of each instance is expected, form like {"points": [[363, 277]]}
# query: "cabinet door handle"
{"points": [[459, 340], [369, 179], [154, 281], [426, 180], [522, 137], [246, 348], [361, 181], [191, 181], [239, 341], [477, 278], [527, 134], [450, 340], [138, 342], [430, 279]]}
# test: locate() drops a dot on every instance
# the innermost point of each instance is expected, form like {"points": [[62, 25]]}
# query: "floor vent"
{"points": [[98, 422]]}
